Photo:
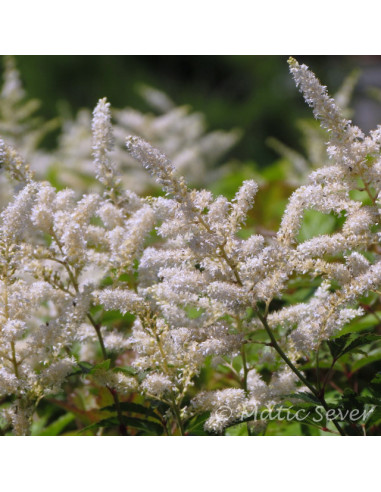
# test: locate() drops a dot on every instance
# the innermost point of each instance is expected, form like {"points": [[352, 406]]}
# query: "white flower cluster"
{"points": [[181, 135], [314, 138], [198, 291]]}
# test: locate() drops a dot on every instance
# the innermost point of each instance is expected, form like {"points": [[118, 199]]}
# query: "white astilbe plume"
{"points": [[242, 203], [31, 362], [121, 300], [14, 163], [176, 131], [158, 165], [103, 142], [317, 97], [348, 146], [314, 137], [230, 406]]}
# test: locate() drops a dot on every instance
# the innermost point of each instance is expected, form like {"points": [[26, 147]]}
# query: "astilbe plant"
{"points": [[313, 137], [198, 293]]}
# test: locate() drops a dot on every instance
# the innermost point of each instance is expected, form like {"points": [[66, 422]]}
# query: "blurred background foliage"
{"points": [[252, 93]]}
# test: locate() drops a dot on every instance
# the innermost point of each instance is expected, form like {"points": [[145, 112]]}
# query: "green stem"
{"points": [[326, 379], [176, 411], [245, 369], [313, 390], [122, 427], [276, 346], [318, 370], [14, 360], [114, 394], [99, 335]]}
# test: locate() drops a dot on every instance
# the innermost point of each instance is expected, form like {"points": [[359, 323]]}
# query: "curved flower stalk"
{"points": [[313, 138]]}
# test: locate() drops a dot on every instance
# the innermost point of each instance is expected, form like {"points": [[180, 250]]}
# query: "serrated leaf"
{"points": [[131, 407], [370, 400], [148, 427], [309, 430], [160, 406], [375, 385], [336, 345], [359, 342], [343, 345], [374, 418]]}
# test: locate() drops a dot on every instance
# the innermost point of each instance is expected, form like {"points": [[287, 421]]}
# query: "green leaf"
{"points": [[131, 407], [360, 324], [370, 400], [129, 370], [340, 346], [370, 359], [237, 430], [374, 418], [316, 224], [102, 366], [305, 396], [336, 345], [359, 342], [195, 426], [309, 430], [58, 426], [148, 427], [375, 385], [83, 367], [41, 421], [106, 423]]}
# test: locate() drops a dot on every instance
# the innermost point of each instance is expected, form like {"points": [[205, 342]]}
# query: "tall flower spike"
{"points": [[14, 163], [316, 96], [348, 146], [242, 202], [103, 143], [158, 165], [14, 218], [12, 87]]}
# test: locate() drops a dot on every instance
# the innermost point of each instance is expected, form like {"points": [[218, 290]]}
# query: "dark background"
{"points": [[253, 93]]}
